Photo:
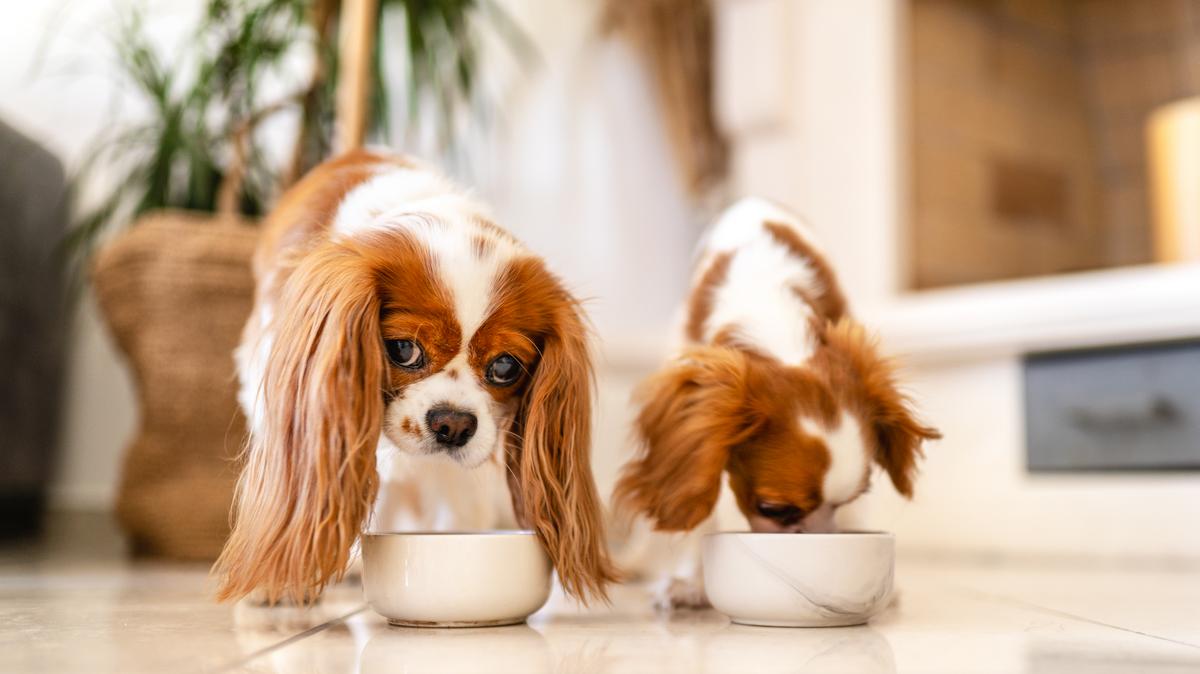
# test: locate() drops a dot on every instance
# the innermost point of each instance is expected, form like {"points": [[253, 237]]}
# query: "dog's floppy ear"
{"points": [[867, 385], [549, 452], [693, 414], [310, 478]]}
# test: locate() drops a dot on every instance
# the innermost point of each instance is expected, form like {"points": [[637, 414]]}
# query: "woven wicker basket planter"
{"points": [[176, 290]]}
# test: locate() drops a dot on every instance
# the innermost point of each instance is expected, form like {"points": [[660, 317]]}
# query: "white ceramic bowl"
{"points": [[455, 579], [799, 580]]}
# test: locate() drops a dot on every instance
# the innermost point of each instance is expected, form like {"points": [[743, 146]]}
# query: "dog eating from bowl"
{"points": [[774, 385]]}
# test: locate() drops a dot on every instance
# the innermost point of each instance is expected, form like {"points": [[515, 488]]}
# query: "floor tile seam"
{"points": [[299, 636], [983, 594]]}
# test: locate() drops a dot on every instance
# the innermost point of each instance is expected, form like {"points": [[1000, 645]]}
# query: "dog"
{"points": [[405, 354], [774, 385]]}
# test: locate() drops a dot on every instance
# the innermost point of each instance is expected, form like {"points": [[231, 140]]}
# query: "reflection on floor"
{"points": [[76, 605]]}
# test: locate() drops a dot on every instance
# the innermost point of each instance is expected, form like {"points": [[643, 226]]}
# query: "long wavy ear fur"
{"points": [[693, 413], [868, 383], [549, 458], [310, 478]]}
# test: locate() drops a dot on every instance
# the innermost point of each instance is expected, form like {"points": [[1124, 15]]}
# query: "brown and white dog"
{"points": [[408, 355], [774, 385]]}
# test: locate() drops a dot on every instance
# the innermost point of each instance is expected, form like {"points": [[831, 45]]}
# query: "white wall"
{"points": [[830, 149], [57, 86]]}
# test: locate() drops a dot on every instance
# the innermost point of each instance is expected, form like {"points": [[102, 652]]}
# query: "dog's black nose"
{"points": [[451, 427]]}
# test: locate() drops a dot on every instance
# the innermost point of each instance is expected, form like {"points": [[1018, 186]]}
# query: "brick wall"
{"points": [[1028, 131]]}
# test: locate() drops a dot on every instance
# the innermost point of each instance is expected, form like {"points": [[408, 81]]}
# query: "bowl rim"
{"points": [[783, 535], [489, 533]]}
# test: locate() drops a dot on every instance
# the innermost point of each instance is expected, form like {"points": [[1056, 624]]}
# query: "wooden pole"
{"points": [[358, 18]]}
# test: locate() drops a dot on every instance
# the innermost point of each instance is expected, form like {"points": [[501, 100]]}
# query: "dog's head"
{"points": [[797, 442], [444, 335]]}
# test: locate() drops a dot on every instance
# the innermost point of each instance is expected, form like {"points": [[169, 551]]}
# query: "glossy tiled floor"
{"points": [[78, 606]]}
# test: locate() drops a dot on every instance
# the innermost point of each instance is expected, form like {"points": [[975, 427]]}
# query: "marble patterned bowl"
{"points": [[799, 580], [435, 579]]}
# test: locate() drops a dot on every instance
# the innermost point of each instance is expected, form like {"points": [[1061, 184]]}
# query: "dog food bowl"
{"points": [[799, 580], [434, 579]]}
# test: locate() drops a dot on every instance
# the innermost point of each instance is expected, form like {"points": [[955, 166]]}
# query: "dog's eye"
{"points": [[405, 353], [784, 513], [504, 370]]}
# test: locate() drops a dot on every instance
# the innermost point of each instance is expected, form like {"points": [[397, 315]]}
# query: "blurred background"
{"points": [[1009, 189]]}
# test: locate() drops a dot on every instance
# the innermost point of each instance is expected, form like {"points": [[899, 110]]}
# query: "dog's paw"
{"points": [[255, 612], [258, 599], [681, 594]]}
